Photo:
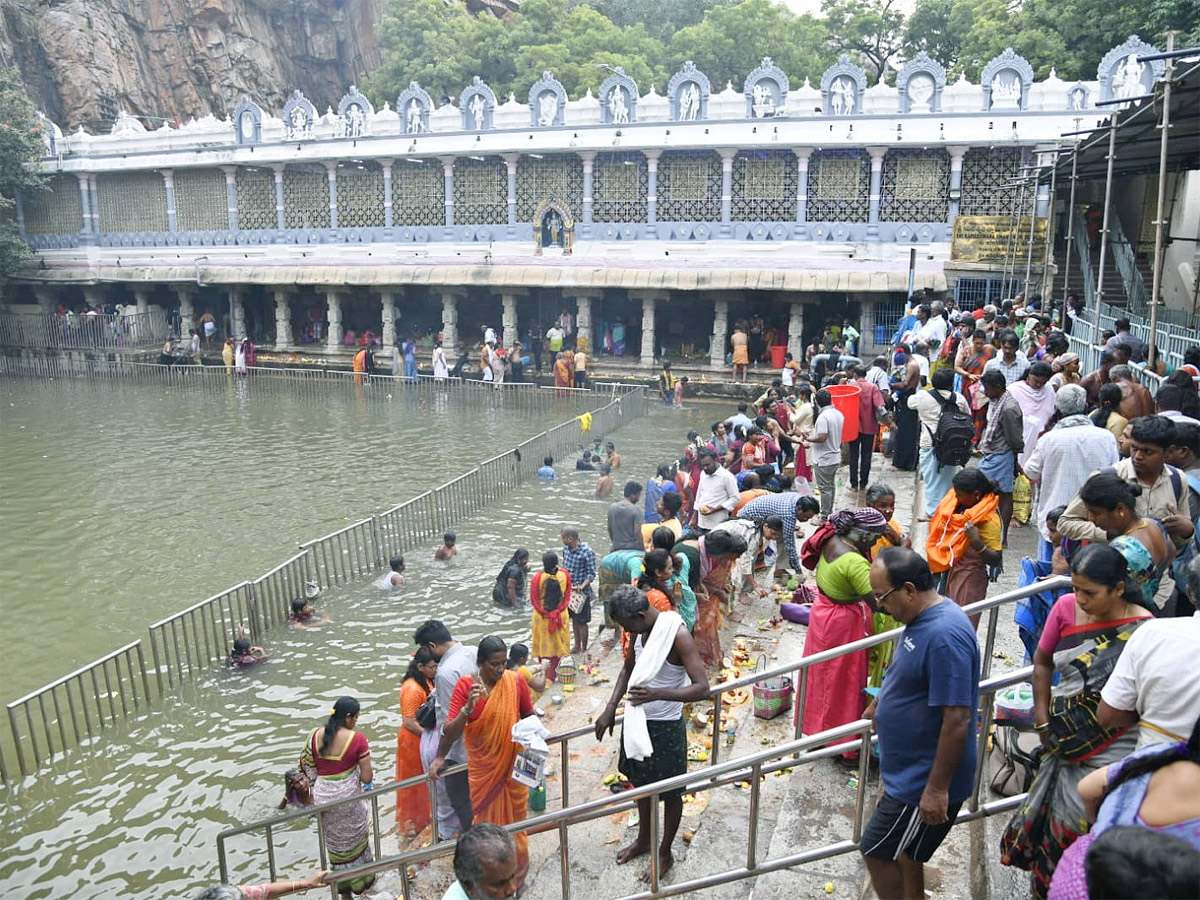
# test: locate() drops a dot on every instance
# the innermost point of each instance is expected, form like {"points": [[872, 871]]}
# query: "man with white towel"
{"points": [[662, 672]]}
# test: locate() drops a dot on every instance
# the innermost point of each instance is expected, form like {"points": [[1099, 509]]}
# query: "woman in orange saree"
{"points": [[484, 709], [562, 373], [412, 803]]}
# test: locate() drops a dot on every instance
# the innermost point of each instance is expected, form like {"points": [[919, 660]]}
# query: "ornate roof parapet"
{"points": [[618, 99], [299, 118], [962, 96], [765, 90], [920, 83], [547, 102], [512, 113], [842, 88], [688, 92], [804, 101], [1006, 81], [728, 104], [584, 111], [1122, 75], [1081, 95], [52, 136], [879, 100], [478, 105], [247, 121], [355, 112], [654, 107], [447, 117], [414, 106]]}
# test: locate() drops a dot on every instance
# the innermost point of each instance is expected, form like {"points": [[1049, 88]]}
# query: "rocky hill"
{"points": [[82, 60]]}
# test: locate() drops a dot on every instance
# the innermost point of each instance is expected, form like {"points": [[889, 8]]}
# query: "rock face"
{"points": [[83, 60]]}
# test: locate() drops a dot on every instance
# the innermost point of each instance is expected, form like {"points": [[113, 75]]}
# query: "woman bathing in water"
{"points": [[305, 615], [297, 790]]}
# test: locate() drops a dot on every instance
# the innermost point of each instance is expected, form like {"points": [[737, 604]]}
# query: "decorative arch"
{"points": [[414, 106], [1079, 96], [551, 231], [766, 90], [299, 116], [547, 102], [688, 92], [618, 99], [355, 111], [920, 84], [1006, 81], [478, 102], [247, 121], [1121, 75], [842, 88]]}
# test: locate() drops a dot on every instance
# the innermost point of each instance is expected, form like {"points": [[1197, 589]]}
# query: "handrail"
{"points": [[1136, 295], [338, 533], [195, 606], [1084, 251]]}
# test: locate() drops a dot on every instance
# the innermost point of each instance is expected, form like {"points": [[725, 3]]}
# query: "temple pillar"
{"points": [[388, 332], [448, 192], [956, 170], [512, 331], [386, 166], [168, 177], [141, 296], [649, 332], [510, 160], [333, 303], [85, 204], [331, 169], [795, 339], [720, 333], [589, 165], [450, 322], [237, 314], [280, 217], [187, 309], [231, 195], [802, 159], [283, 318], [46, 300], [727, 158], [651, 191], [877, 155], [583, 322], [95, 195]]}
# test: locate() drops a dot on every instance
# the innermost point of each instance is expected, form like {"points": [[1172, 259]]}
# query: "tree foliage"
{"points": [[872, 30], [661, 18], [20, 145]]}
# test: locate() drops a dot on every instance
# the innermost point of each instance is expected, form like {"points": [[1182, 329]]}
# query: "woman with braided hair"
{"points": [[839, 553]]}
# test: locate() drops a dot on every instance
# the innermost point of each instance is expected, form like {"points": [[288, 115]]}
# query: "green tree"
{"points": [[1176, 15], [932, 28], [20, 146], [731, 42], [872, 30], [661, 18]]}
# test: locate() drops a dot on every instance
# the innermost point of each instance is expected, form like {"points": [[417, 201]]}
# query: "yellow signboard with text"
{"points": [[993, 239]]}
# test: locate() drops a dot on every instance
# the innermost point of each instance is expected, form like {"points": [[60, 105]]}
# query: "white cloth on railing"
{"points": [[635, 735]]}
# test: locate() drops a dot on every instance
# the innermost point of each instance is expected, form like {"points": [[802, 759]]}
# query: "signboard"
{"points": [[993, 239]]}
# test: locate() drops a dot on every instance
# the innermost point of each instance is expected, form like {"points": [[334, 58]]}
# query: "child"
{"points": [[448, 550], [393, 579], [244, 654], [518, 659], [304, 616], [679, 386]]}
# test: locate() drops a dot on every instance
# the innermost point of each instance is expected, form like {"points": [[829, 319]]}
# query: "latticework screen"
{"points": [[619, 183], [764, 186], [689, 186], [131, 202], [57, 210], [839, 186], [418, 193], [480, 191], [202, 202], [984, 171], [306, 197], [916, 186], [256, 199], [550, 178], [360, 195]]}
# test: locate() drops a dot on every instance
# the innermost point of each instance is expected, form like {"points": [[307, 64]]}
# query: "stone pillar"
{"points": [[956, 167], [283, 318], [877, 155], [649, 333], [651, 191], [231, 195], [589, 165], [280, 217], [802, 159], [95, 195], [720, 332], [237, 314], [168, 177], [866, 343], [448, 200], [512, 331], [94, 295], [795, 340], [450, 322], [20, 211], [1043, 199], [331, 168], [583, 321], [47, 302], [141, 296], [386, 166], [85, 227], [333, 301], [510, 160], [187, 310], [727, 158]]}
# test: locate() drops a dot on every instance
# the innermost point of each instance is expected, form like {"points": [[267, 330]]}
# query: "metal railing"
{"points": [[46, 722], [714, 767], [84, 332], [1084, 251], [1137, 296]]}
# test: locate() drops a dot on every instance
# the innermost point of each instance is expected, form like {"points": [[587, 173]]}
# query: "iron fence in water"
{"points": [[87, 332], [65, 714]]}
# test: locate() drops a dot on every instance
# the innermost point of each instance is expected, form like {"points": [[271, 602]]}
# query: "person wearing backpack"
{"points": [[947, 430], [550, 592]]}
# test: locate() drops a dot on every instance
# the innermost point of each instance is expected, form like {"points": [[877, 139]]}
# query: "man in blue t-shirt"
{"points": [[923, 716]]}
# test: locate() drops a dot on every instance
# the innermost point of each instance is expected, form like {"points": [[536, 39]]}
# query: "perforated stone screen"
{"points": [[131, 202], [689, 186], [306, 197], [480, 191], [256, 199], [619, 184], [201, 201], [550, 178], [916, 185], [418, 193], [764, 186], [57, 210], [839, 186], [360, 195], [984, 171]]}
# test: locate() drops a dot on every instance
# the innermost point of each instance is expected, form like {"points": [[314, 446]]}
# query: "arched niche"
{"points": [[478, 103], [688, 92], [766, 90], [920, 84], [547, 102], [414, 106], [1006, 81], [618, 99], [842, 88]]}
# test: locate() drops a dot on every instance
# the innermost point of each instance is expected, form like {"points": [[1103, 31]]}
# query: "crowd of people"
{"points": [[976, 401]]}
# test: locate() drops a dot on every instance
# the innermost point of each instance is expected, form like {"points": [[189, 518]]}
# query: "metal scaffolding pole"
{"points": [[1047, 276], [1112, 152], [1071, 217], [1159, 220], [1033, 191]]}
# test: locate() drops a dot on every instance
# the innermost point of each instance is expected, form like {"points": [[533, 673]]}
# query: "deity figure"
{"points": [[764, 100], [246, 126], [298, 125], [356, 121], [1006, 89], [547, 108], [415, 124], [618, 109], [689, 103], [842, 96], [1077, 98], [1127, 78], [478, 106], [920, 93]]}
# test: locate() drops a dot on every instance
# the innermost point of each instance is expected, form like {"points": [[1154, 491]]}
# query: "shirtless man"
{"points": [[604, 484], [449, 548]]}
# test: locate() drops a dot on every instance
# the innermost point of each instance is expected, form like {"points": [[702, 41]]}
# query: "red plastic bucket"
{"points": [[777, 356], [845, 401]]}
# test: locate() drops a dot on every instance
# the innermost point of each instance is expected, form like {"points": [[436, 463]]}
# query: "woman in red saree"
{"points": [[483, 709], [412, 803], [972, 357]]}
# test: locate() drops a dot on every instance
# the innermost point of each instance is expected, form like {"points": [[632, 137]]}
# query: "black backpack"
{"points": [[954, 434]]}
